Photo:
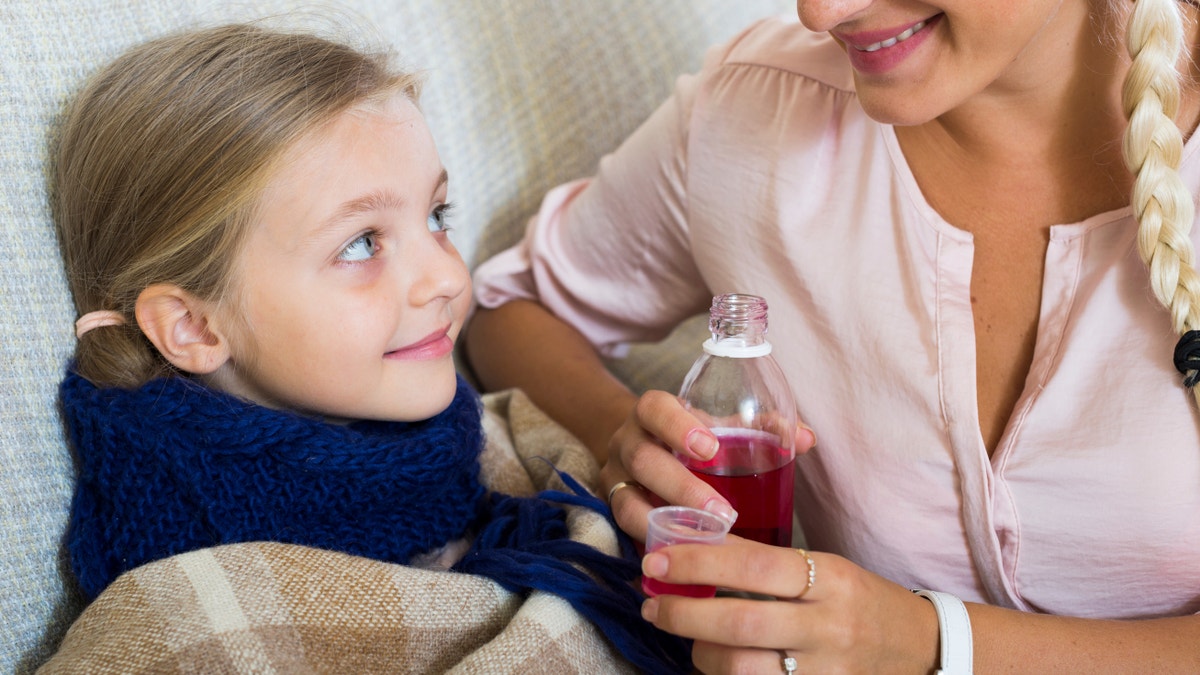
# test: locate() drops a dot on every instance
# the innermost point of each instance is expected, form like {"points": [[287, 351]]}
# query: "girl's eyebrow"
{"points": [[443, 178], [377, 200], [372, 201]]}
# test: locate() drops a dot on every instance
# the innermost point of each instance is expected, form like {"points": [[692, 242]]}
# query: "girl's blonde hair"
{"points": [[163, 158], [1153, 149]]}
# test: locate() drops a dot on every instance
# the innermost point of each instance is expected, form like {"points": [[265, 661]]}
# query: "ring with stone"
{"points": [[812, 572]]}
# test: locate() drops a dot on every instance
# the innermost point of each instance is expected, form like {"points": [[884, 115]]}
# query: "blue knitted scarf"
{"points": [[174, 466]]}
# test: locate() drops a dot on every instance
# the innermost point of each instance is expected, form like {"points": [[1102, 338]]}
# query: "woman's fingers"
{"points": [[641, 451], [761, 624], [848, 617], [662, 416], [746, 565], [806, 438], [629, 500], [708, 657], [660, 478], [742, 635]]}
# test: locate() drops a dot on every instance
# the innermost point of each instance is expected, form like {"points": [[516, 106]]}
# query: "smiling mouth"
{"points": [[434, 345], [908, 32]]}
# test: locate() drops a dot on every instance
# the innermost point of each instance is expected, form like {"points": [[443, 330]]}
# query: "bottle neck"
{"points": [[738, 323]]}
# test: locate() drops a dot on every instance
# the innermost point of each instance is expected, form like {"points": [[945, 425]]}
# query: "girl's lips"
{"points": [[875, 52], [433, 346]]}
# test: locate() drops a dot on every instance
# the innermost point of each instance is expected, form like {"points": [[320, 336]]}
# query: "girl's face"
{"points": [[348, 295], [914, 61]]}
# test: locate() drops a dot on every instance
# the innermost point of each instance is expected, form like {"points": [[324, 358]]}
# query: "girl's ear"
{"points": [[179, 325]]}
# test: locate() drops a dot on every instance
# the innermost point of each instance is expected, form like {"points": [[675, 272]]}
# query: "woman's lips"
{"points": [[900, 37], [433, 346], [874, 52]]}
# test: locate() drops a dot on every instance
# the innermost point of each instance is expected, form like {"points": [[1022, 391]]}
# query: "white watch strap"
{"points": [[956, 653]]}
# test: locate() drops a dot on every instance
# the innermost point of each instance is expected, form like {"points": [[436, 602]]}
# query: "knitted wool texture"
{"points": [[173, 466]]}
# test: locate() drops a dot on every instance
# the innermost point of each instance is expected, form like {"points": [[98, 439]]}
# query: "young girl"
{"points": [[254, 229]]}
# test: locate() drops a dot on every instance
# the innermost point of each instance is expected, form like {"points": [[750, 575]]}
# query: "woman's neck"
{"points": [[1051, 127]]}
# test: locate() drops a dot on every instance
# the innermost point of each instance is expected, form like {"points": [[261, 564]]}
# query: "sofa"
{"points": [[520, 95]]}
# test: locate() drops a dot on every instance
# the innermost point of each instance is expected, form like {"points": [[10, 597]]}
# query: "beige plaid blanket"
{"points": [[268, 607]]}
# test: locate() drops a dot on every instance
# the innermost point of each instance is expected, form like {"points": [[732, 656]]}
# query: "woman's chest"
{"points": [[878, 328]]}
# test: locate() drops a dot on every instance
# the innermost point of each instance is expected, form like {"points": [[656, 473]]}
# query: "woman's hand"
{"points": [[850, 620], [641, 451]]}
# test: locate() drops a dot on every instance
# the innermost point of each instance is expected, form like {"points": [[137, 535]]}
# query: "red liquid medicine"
{"points": [[756, 475], [654, 587]]}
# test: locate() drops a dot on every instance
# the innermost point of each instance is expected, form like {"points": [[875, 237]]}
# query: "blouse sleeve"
{"points": [[611, 255]]}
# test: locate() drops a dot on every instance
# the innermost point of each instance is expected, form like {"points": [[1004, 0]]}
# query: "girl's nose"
{"points": [[441, 273], [824, 15]]}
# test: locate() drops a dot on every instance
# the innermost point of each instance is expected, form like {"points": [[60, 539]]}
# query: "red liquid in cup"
{"points": [[756, 476], [653, 587], [680, 525]]}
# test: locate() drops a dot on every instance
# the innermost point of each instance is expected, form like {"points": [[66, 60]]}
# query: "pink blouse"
{"points": [[763, 175]]}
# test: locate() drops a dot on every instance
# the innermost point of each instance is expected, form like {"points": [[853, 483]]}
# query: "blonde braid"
{"points": [[1153, 148]]}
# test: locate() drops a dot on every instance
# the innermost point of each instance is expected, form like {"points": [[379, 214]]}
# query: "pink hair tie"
{"points": [[98, 319]]}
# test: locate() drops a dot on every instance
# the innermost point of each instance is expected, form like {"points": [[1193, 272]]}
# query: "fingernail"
{"points": [[701, 443], [654, 565], [805, 437], [721, 508], [650, 610]]}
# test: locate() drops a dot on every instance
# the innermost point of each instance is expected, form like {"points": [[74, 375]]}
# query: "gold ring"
{"points": [[618, 486], [812, 572]]}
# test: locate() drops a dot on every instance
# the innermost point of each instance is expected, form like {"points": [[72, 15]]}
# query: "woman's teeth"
{"points": [[894, 40]]}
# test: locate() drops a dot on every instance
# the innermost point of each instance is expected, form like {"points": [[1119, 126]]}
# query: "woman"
{"points": [[935, 200]]}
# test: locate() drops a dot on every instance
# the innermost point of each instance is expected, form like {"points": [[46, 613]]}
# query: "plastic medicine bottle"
{"points": [[739, 391]]}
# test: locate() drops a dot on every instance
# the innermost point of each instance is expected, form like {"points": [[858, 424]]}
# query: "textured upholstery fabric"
{"points": [[521, 95]]}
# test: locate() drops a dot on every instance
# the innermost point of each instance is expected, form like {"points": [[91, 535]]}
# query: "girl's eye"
{"points": [[437, 220], [363, 248]]}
